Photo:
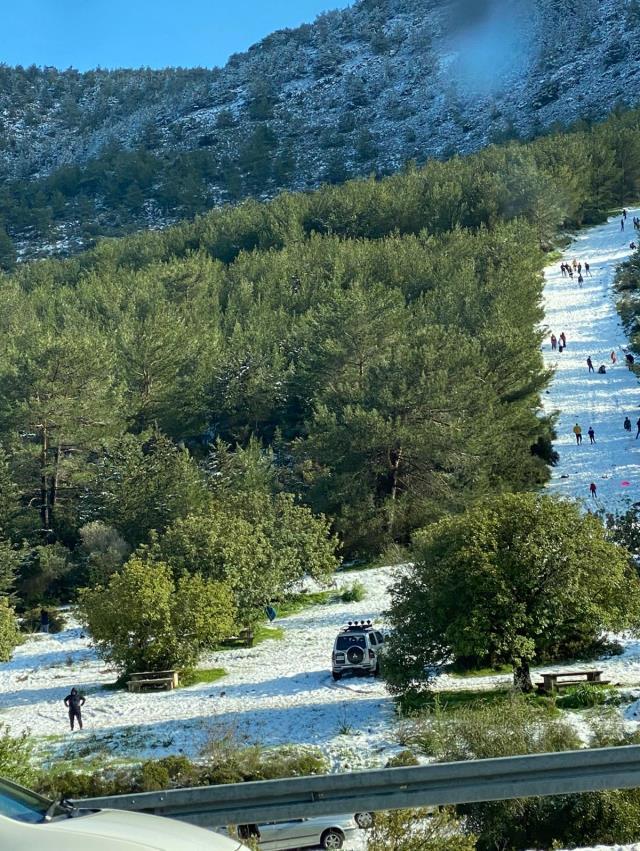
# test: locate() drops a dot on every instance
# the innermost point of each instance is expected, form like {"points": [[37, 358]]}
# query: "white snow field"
{"points": [[592, 327], [281, 691]]}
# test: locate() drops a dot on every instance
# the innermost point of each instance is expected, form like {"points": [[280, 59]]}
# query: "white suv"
{"points": [[357, 650]]}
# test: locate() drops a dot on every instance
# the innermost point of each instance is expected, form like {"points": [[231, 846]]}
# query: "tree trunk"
{"points": [[55, 477], [522, 676], [44, 483], [394, 460]]}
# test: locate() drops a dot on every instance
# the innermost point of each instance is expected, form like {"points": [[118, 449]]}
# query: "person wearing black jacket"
{"points": [[74, 702]]}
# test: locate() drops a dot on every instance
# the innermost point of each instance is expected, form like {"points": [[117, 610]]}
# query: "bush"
{"points": [[226, 762], [500, 727], [9, 632], [354, 593], [588, 694], [144, 621], [15, 757], [418, 830], [405, 758]]}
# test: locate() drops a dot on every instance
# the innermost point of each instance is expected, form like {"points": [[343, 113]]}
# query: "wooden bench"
{"points": [[244, 637], [153, 681], [566, 679]]}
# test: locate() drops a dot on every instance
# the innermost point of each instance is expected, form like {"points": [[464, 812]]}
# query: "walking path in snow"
{"points": [[592, 326]]}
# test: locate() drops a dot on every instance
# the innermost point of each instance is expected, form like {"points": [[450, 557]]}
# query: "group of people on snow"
{"points": [[575, 267], [558, 345]]}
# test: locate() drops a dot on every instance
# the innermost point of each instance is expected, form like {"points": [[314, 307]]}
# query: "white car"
{"points": [[322, 832], [29, 821]]}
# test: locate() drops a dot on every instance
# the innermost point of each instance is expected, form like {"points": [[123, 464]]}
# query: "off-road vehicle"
{"points": [[357, 650]]}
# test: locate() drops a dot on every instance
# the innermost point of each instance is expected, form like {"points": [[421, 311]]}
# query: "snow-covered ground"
{"points": [[277, 692], [592, 327]]}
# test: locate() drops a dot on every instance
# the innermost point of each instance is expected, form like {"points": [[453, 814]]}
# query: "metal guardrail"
{"points": [[391, 788]]}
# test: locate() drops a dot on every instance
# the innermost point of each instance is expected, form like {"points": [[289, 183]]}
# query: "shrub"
{"points": [[9, 632], [145, 621], [403, 759], [15, 757], [502, 727], [418, 830], [588, 694], [354, 593]]}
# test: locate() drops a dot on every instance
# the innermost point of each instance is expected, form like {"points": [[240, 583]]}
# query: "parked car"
{"points": [[357, 650], [28, 821], [323, 832]]}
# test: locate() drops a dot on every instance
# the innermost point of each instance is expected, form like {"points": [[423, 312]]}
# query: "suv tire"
{"points": [[355, 655], [336, 675]]}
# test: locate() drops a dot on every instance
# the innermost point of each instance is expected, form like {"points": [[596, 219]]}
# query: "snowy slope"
{"points": [[589, 319]]}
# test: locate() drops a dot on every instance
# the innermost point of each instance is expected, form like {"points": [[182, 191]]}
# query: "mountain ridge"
{"points": [[362, 90]]}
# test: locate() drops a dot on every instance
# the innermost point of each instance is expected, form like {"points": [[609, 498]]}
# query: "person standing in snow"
{"points": [[627, 424], [587, 269], [74, 702], [590, 364], [592, 435], [614, 358], [580, 281], [593, 490], [574, 264], [638, 432], [564, 340], [578, 433], [624, 213], [554, 343], [579, 268], [563, 270], [621, 224]]}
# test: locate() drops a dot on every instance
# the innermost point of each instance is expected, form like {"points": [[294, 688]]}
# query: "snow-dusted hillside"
{"points": [[362, 89]]}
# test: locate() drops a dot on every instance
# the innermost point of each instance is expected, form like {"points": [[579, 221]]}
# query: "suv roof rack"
{"points": [[357, 626]]}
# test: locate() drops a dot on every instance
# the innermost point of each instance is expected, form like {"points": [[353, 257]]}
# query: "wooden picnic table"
{"points": [[564, 679], [148, 680]]}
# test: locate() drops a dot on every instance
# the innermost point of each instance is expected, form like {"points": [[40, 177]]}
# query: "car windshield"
{"points": [[344, 642], [21, 804]]}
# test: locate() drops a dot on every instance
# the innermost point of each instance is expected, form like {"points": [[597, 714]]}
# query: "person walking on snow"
{"points": [[592, 435], [578, 433], [579, 268], [554, 343], [593, 490], [563, 270], [580, 281], [75, 702], [590, 364], [574, 264], [627, 424], [624, 212], [587, 269]]}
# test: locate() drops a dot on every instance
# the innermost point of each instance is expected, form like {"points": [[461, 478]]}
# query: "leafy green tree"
{"points": [[512, 580], [16, 757], [143, 620]]}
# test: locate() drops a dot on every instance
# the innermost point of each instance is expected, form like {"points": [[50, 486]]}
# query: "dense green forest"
{"points": [[368, 352]]}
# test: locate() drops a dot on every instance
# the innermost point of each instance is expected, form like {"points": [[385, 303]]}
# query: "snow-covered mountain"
{"points": [[361, 90]]}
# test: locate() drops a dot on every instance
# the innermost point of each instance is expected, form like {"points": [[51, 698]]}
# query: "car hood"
{"points": [[145, 830]]}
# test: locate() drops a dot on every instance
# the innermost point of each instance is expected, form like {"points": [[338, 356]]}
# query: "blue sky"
{"points": [[134, 33]]}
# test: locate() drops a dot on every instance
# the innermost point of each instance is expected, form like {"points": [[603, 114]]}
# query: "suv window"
{"points": [[380, 637], [344, 642]]}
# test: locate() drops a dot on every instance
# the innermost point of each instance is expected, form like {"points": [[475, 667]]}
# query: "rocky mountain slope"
{"points": [[359, 91]]}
